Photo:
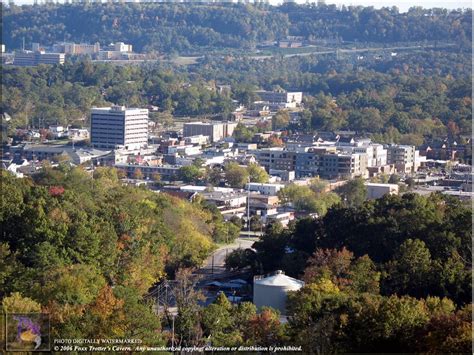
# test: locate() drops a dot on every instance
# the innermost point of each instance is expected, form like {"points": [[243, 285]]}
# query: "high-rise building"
{"points": [[119, 127]]}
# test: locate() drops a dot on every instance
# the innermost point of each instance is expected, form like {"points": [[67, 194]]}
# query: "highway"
{"points": [[355, 50]]}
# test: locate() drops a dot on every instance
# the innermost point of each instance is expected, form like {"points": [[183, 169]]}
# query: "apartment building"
{"points": [[330, 165], [275, 158], [404, 157]]}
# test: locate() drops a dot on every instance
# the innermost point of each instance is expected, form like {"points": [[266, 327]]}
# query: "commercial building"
{"points": [[375, 191], [280, 96], [77, 48], [122, 47], [166, 172], [52, 152], [216, 131], [264, 189], [118, 127], [29, 58]]}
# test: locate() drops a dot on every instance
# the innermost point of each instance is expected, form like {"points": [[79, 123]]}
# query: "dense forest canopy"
{"points": [[191, 28], [87, 249]]}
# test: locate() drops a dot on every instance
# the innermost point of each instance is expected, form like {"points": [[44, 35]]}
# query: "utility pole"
{"points": [[172, 332], [248, 208], [212, 264]]}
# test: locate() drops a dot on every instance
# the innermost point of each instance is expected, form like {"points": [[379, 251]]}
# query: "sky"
{"points": [[403, 5]]}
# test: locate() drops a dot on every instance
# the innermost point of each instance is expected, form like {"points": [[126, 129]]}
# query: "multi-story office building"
{"points": [[119, 127], [216, 131], [29, 58]]}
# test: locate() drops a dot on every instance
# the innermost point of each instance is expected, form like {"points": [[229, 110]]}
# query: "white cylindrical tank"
{"points": [[271, 291]]}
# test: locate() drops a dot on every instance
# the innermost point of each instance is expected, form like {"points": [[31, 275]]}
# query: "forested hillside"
{"points": [[393, 273], [87, 249], [187, 28]]}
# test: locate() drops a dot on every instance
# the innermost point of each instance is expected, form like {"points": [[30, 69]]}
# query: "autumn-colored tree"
{"points": [[265, 329], [138, 174]]}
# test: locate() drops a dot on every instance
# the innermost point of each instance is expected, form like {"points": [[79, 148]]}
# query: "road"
{"points": [[348, 51], [218, 257]]}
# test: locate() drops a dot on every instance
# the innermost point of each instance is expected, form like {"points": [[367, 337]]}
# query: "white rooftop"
{"points": [[279, 279]]}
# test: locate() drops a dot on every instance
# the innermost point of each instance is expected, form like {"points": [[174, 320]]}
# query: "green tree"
{"points": [[353, 193], [257, 173], [280, 120], [190, 173], [236, 175]]}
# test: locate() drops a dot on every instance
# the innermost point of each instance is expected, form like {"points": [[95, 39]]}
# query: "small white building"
{"points": [[57, 131], [375, 191], [272, 290], [199, 139], [264, 189]]}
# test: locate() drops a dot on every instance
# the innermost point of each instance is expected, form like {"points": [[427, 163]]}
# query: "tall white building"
{"points": [[119, 127]]}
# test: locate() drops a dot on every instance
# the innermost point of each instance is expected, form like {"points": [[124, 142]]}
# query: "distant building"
{"points": [[404, 157], [167, 172], [57, 131], [275, 158], [330, 165], [78, 133], [118, 127], [375, 191], [264, 189], [283, 96], [77, 49], [29, 58], [216, 131], [51, 152], [122, 47]]}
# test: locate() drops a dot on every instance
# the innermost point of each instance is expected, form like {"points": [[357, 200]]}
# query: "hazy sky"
{"points": [[403, 5]]}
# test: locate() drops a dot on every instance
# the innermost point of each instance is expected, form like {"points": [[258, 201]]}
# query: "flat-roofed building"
{"points": [[404, 157], [119, 127], [280, 96], [29, 58], [216, 131], [275, 158], [375, 191]]}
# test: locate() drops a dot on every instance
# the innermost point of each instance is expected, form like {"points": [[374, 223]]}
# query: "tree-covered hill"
{"points": [[187, 28], [148, 27], [87, 250]]}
